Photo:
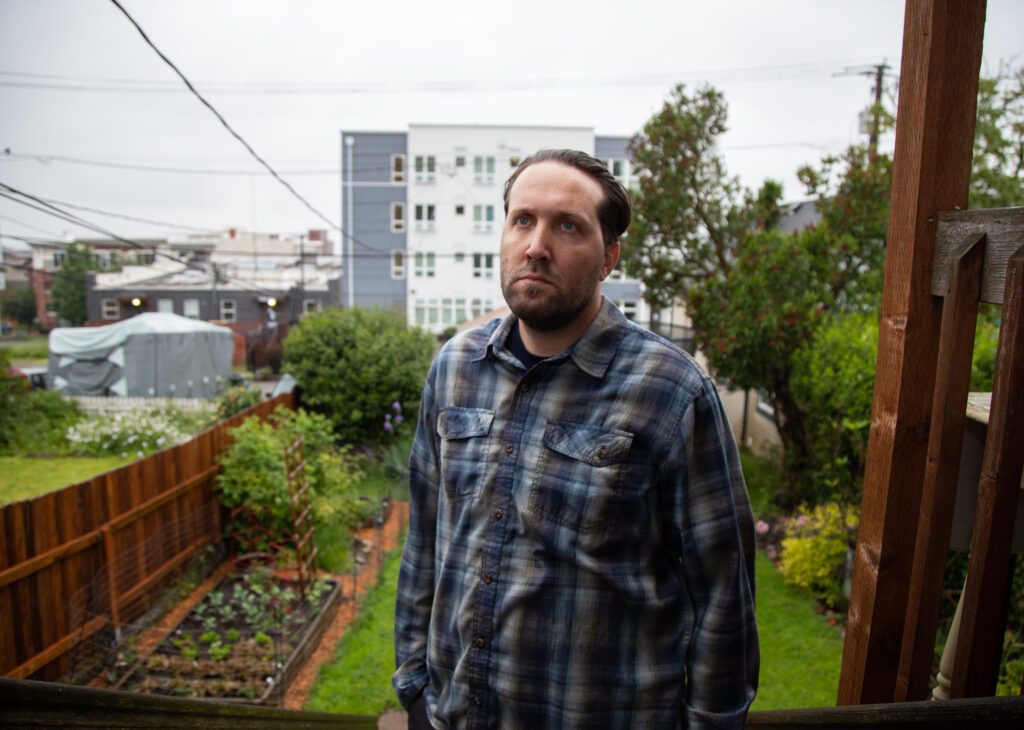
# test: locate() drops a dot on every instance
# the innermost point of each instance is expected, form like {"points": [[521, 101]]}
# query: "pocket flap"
{"points": [[591, 444], [464, 423]]}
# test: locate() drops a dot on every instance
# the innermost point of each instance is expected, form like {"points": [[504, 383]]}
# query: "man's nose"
{"points": [[539, 245]]}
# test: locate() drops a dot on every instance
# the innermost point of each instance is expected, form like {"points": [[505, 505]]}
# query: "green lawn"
{"points": [[358, 679], [800, 652], [23, 477]]}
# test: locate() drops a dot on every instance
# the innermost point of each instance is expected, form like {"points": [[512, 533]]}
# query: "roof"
{"points": [[66, 340]]}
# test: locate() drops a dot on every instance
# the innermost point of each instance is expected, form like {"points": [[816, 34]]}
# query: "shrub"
{"points": [[833, 379], [814, 551], [33, 420], [983, 364], [132, 433], [353, 364], [236, 399]]}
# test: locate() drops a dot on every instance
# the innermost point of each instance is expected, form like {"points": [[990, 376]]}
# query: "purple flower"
{"points": [[762, 527], [387, 417], [396, 407], [398, 419], [801, 520], [388, 427]]}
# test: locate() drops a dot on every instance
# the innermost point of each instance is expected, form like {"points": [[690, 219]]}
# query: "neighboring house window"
{"points": [[165, 305], [460, 257], [111, 308], [312, 305], [424, 217], [420, 309], [460, 160], [483, 266], [628, 307], [483, 217], [228, 311], [425, 168], [460, 210], [397, 168], [191, 308], [483, 169], [397, 264], [424, 265], [397, 217]]}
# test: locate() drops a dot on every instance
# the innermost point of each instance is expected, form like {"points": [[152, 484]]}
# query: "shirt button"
{"points": [[477, 701], [488, 579], [526, 387], [509, 448], [601, 453], [497, 514], [479, 643]]}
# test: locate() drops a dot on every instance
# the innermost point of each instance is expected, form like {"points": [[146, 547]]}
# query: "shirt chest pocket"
{"points": [[465, 435], [578, 480]]}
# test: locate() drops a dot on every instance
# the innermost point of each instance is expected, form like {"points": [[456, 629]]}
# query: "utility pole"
{"points": [[878, 71]]}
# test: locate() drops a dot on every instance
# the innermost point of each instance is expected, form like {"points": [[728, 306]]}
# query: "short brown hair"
{"points": [[615, 210]]}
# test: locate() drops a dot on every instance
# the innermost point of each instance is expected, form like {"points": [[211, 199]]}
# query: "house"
{"points": [[422, 214]]}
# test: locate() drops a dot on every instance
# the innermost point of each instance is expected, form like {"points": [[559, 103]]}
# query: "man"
{"points": [[580, 547]]}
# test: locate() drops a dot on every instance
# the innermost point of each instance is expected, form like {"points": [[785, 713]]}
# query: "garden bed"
{"points": [[243, 642]]}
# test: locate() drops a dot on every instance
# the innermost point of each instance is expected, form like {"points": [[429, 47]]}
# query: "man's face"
{"points": [[553, 256]]}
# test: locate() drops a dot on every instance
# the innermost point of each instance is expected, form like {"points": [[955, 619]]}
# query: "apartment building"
{"points": [[422, 211]]}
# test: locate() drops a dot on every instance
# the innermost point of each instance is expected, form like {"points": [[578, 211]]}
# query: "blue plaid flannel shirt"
{"points": [[580, 548]]}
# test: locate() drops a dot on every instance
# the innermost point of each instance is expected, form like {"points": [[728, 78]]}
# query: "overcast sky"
{"points": [[384, 65]]}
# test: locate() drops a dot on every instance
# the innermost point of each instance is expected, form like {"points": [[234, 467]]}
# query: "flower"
{"points": [[388, 427], [801, 520], [398, 419], [762, 527], [396, 407]]}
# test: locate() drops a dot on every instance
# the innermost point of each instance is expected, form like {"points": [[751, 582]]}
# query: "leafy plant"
{"points": [[353, 364], [814, 551], [32, 421], [131, 433], [236, 399]]}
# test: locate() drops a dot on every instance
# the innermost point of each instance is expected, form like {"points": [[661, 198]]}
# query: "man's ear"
{"points": [[611, 257]]}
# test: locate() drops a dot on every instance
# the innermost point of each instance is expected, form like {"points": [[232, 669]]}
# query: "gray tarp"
{"points": [[152, 354]]}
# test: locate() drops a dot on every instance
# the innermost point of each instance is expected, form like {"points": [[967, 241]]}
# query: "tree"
{"points": [[68, 294], [997, 178], [19, 304]]}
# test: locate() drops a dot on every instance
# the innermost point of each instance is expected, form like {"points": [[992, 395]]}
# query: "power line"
{"points": [[153, 168], [223, 121]]}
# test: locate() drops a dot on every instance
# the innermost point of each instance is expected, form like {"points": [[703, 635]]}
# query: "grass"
{"points": [[358, 679], [23, 477], [24, 349], [800, 652]]}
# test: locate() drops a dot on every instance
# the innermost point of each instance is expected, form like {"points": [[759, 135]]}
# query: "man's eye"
{"points": [[568, 226], [522, 220]]}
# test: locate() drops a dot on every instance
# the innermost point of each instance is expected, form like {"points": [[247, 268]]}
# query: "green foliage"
{"points": [[133, 433], [32, 421], [814, 551], [253, 471], [19, 304], [31, 348], [353, 364], [983, 363], [763, 478], [236, 399], [833, 378], [68, 294], [997, 178]]}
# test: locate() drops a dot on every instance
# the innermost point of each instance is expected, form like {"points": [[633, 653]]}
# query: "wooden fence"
{"points": [[94, 555]]}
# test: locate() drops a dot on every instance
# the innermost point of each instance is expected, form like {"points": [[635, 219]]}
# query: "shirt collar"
{"points": [[592, 353]]}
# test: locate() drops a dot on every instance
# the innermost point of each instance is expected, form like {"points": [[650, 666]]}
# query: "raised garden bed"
{"points": [[244, 641]]}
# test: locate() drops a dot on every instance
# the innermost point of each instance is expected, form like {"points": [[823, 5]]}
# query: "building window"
{"points": [[424, 217], [165, 305], [423, 265], [191, 308], [312, 305], [398, 168], [460, 210], [460, 257], [764, 406], [228, 310], [628, 308], [397, 264], [397, 217], [425, 168], [483, 217], [483, 169], [483, 266], [111, 308], [460, 160]]}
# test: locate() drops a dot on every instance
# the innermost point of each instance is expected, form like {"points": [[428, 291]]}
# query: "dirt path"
{"points": [[389, 534]]}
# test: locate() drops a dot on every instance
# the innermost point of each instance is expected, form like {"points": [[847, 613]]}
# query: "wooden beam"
{"points": [[980, 642], [949, 413], [1003, 229], [931, 169]]}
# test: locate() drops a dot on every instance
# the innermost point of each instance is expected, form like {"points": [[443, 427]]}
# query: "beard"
{"points": [[552, 305]]}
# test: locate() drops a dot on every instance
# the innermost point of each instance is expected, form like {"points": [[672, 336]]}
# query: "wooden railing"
{"points": [[92, 556]]}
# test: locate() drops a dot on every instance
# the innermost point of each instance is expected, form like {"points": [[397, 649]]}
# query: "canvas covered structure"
{"points": [[150, 355]]}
